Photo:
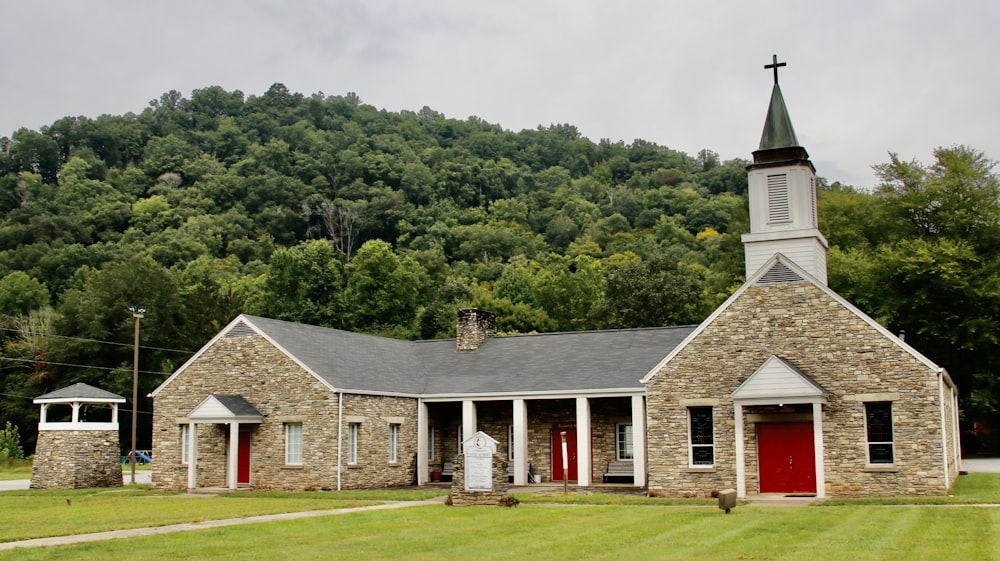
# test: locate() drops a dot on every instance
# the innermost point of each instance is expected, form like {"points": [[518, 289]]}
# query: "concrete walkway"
{"points": [[174, 528]]}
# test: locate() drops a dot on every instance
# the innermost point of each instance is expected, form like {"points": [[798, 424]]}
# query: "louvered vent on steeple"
{"points": [[777, 198], [779, 273], [241, 329]]}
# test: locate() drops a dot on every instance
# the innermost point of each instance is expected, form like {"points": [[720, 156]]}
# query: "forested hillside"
{"points": [[328, 211]]}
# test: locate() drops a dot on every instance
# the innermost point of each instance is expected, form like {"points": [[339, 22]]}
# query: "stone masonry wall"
{"points": [[284, 393], [848, 357], [76, 459], [458, 496]]}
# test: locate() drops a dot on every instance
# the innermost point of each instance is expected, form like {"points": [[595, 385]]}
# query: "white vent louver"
{"points": [[779, 273], [241, 329], [778, 207]]}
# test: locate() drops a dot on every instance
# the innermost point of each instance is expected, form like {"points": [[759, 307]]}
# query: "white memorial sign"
{"points": [[479, 452]]}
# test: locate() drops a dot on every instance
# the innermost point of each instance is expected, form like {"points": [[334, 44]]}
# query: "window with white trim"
{"points": [[185, 444], [623, 442], [393, 442], [878, 427], [353, 429], [701, 437], [293, 444]]}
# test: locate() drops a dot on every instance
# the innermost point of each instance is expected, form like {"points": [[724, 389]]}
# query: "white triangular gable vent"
{"points": [[779, 273], [778, 381], [241, 329]]}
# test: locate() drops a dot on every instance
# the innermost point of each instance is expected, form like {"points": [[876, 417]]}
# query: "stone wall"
{"points": [[832, 345], [283, 392], [76, 459], [497, 497]]}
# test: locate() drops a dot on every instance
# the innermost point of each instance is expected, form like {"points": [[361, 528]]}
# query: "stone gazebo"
{"points": [[78, 443]]}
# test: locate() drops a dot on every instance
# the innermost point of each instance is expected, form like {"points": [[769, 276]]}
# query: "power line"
{"points": [[35, 361], [98, 341]]}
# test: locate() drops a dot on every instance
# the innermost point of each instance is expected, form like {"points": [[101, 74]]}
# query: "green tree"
{"points": [[20, 293], [305, 284], [382, 288]]}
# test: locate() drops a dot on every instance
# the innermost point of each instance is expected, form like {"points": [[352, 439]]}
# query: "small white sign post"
{"points": [[479, 450]]}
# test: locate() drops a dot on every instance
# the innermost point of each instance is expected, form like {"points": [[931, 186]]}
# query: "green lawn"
{"points": [[589, 526], [542, 533]]}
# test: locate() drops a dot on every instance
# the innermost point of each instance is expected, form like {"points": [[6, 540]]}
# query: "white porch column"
{"points": [[192, 454], [422, 452], [741, 475], [234, 451], [638, 441], [520, 444], [583, 452], [819, 450], [468, 419], [76, 411]]}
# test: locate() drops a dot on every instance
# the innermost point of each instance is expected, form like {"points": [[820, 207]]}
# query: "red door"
{"points": [[243, 459], [557, 456], [787, 458]]}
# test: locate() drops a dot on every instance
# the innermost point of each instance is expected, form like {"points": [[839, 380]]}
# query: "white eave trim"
{"points": [[540, 394], [809, 278], [87, 400], [246, 320]]}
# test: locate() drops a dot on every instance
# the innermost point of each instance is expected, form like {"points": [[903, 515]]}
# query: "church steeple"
{"points": [[783, 195]]}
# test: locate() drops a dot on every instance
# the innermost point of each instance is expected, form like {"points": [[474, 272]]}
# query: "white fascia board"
{"points": [[200, 352], [541, 394], [79, 400], [374, 392], [864, 317], [827, 290], [241, 318], [709, 320]]}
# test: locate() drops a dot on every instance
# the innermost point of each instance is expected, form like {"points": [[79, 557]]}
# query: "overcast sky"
{"points": [[863, 77]]}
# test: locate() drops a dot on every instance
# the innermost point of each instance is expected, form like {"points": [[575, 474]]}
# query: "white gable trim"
{"points": [[246, 320], [777, 380], [809, 278], [211, 410]]}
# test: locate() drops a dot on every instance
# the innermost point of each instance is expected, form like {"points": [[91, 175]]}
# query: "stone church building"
{"points": [[786, 388]]}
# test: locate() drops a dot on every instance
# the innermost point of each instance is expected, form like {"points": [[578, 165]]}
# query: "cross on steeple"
{"points": [[775, 65]]}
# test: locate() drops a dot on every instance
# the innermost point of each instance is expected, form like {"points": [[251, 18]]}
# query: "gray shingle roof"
{"points": [[82, 392], [549, 362], [347, 360], [237, 405]]}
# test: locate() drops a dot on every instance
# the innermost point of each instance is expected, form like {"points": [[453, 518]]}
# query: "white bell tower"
{"points": [[783, 196]]}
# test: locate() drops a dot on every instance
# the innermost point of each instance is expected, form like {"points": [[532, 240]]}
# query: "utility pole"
{"points": [[137, 313]]}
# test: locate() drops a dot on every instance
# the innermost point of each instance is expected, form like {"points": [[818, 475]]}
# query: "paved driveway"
{"points": [[989, 465], [18, 484]]}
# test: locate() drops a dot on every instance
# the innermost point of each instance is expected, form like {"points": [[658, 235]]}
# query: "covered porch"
{"points": [[234, 413], [603, 432]]}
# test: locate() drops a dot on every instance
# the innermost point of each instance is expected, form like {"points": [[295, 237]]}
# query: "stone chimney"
{"points": [[474, 326]]}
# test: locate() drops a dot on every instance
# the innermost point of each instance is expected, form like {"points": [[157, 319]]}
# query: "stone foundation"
{"points": [[76, 459]]}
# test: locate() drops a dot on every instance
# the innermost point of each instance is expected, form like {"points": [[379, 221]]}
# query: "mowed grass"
{"points": [[545, 532], [44, 513], [587, 526]]}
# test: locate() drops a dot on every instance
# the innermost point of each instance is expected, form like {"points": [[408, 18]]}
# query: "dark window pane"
{"points": [[703, 455], [701, 425], [880, 453], [879, 421]]}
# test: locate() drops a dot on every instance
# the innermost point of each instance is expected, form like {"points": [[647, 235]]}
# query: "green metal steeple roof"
{"points": [[778, 130]]}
